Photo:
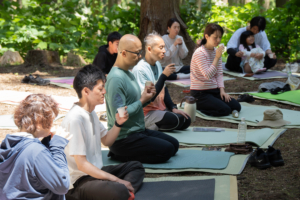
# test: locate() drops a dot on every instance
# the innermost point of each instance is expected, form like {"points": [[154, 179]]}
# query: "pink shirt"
{"points": [[204, 75]]}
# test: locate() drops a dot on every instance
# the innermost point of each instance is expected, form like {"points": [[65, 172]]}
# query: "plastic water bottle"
{"points": [[241, 137]]}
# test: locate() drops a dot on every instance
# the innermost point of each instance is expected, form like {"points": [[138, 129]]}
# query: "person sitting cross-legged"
{"points": [[30, 168], [161, 114], [134, 142], [89, 179]]}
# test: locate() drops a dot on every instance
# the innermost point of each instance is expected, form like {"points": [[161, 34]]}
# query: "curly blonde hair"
{"points": [[36, 109]]}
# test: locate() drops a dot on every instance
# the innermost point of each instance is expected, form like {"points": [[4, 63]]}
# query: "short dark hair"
{"points": [[209, 30], [170, 23], [87, 77], [244, 37], [113, 37], [258, 21]]}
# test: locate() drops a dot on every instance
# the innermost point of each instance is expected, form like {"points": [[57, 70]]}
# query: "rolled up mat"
{"points": [[260, 137]]}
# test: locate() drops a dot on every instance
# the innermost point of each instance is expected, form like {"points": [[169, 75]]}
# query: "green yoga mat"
{"points": [[262, 137], [290, 96], [225, 186], [187, 158], [235, 166], [255, 113]]}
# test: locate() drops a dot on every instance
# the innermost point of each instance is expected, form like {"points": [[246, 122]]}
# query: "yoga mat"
{"points": [[187, 158], [225, 186], [7, 121], [290, 96], [254, 113], [235, 166], [64, 103], [261, 137], [177, 190], [187, 82], [65, 82]]}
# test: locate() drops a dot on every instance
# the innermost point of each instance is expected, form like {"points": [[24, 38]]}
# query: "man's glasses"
{"points": [[136, 53]]}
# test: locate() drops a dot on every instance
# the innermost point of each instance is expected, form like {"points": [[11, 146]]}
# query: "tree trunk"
{"points": [[233, 2], [42, 58], [264, 3], [199, 2], [110, 3], [280, 3], [155, 15]]}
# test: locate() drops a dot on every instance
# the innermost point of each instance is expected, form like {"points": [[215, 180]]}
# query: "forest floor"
{"points": [[272, 183]]}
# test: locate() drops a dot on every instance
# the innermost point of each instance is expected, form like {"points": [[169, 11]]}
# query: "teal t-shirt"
{"points": [[122, 89]]}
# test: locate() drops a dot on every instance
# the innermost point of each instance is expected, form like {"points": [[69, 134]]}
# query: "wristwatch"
{"points": [[118, 125]]}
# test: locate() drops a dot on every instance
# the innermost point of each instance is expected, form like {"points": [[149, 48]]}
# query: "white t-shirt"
{"points": [[87, 132], [260, 39]]}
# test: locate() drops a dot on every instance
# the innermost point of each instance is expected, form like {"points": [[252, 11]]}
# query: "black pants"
{"points": [[172, 121], [147, 147], [184, 70], [233, 63], [89, 188], [210, 103]]}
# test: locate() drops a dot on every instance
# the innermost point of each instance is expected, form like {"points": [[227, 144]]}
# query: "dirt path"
{"points": [[273, 183]]}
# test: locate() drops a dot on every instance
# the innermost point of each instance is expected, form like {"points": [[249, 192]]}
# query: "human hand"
{"points": [[272, 55], [178, 41], [127, 184], [219, 51], [170, 69], [122, 120], [60, 131], [253, 55], [180, 112], [259, 56], [239, 54], [148, 93], [224, 96]]}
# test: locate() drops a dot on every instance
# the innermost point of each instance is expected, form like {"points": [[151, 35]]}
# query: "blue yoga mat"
{"points": [[185, 159]]}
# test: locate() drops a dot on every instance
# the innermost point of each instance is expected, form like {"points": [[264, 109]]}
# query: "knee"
{"points": [[135, 165], [186, 123], [226, 110], [170, 149]]}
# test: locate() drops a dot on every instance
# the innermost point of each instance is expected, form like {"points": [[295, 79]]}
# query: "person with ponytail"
{"points": [[176, 50], [207, 84]]}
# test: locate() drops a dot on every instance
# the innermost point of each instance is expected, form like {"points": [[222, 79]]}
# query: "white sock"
{"points": [[183, 76]]}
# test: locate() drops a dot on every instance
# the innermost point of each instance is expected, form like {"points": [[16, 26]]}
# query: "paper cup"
{"points": [[271, 55], [148, 83], [121, 111]]}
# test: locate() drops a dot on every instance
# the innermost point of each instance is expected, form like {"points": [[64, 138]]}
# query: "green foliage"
{"points": [[282, 23], [62, 26]]}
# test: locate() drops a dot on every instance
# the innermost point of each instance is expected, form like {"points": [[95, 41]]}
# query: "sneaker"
{"points": [[26, 79], [39, 81], [259, 159], [274, 156], [245, 98]]}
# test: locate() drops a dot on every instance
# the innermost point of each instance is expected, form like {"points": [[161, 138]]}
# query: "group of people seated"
{"points": [[67, 163]]}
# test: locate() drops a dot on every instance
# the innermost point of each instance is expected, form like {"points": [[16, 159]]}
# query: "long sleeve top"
{"points": [[260, 38], [174, 54], [204, 75]]}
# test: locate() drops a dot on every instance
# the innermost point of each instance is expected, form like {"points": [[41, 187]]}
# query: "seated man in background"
{"points": [[161, 114], [89, 179], [134, 141], [257, 26], [107, 54]]}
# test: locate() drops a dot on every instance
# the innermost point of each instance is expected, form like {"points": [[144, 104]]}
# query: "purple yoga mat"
{"points": [[66, 81], [270, 74]]}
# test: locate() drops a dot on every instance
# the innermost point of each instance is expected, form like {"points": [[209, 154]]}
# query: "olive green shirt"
{"points": [[122, 84]]}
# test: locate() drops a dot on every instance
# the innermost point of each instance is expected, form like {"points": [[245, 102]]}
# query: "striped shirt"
{"points": [[204, 75]]}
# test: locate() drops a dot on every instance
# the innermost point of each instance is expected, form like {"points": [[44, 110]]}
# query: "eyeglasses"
{"points": [[136, 53]]}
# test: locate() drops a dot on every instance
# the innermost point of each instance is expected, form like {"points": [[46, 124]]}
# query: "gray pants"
{"points": [[89, 188]]}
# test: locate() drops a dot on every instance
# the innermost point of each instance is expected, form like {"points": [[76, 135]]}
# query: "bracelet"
{"points": [[118, 125]]}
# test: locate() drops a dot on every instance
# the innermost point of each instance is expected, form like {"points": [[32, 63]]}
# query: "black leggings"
{"points": [[184, 70], [233, 63], [172, 121], [147, 147], [90, 188], [210, 103]]}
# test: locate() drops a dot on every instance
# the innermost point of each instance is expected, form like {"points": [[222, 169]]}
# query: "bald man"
{"points": [[161, 114], [135, 142]]}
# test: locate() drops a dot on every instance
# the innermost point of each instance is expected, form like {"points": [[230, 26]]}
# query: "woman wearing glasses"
{"points": [[176, 50]]}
